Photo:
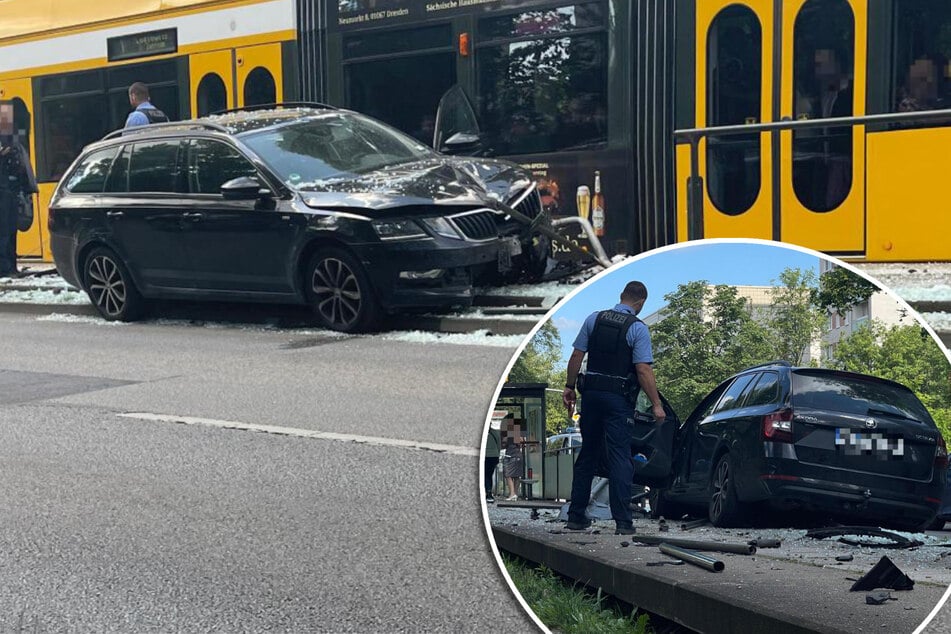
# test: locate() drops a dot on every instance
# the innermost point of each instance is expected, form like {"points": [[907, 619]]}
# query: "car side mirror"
{"points": [[243, 188], [461, 143]]}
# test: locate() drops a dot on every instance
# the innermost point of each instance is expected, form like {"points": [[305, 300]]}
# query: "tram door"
{"points": [[755, 65], [259, 72], [822, 171], [32, 243], [212, 82]]}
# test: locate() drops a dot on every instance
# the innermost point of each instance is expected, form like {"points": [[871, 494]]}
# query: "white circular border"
{"points": [[615, 268]]}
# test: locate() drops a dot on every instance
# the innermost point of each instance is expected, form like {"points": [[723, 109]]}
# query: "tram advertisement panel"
{"points": [[372, 13], [593, 185]]}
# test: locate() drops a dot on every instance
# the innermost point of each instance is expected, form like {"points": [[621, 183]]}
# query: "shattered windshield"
{"points": [[332, 146]]}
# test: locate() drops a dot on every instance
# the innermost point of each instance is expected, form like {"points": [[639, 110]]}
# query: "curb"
{"points": [[700, 604]]}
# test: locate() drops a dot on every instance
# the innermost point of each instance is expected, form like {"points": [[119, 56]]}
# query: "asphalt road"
{"points": [[110, 523]]}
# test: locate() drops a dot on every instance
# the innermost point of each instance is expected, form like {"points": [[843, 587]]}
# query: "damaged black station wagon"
{"points": [[851, 446], [304, 204]]}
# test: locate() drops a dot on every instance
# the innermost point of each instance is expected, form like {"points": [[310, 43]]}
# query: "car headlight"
{"points": [[442, 227], [398, 230]]}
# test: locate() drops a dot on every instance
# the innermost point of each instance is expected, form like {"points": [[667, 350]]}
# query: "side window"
{"points": [[706, 407], [823, 41], [556, 444], [922, 71], [734, 394], [90, 176], [734, 69], [765, 391], [118, 181], [542, 78], [153, 167], [211, 164]]}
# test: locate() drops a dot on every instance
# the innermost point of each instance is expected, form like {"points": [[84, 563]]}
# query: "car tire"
{"points": [[110, 287], [339, 291], [725, 509], [662, 507]]}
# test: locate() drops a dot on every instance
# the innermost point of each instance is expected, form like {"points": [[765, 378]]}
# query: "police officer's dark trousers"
{"points": [[604, 420], [9, 206]]}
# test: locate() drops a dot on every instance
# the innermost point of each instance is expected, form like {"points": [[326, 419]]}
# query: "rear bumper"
{"points": [[903, 502], [64, 257]]}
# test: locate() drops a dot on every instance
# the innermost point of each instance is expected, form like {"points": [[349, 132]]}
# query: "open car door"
{"points": [[457, 129]]}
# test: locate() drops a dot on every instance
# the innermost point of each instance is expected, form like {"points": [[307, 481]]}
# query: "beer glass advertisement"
{"points": [[371, 13], [592, 186]]}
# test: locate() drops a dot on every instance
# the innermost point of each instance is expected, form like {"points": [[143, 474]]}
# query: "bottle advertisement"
{"points": [[592, 189]]}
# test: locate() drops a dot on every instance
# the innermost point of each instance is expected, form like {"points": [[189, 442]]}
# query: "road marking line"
{"points": [[305, 433]]}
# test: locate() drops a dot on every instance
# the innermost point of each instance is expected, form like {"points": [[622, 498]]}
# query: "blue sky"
{"points": [[733, 263]]}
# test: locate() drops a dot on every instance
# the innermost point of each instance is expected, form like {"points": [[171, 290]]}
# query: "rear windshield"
{"points": [[855, 396], [333, 145]]}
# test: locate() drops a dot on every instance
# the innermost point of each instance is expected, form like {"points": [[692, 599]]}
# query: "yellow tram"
{"points": [[873, 191], [67, 66]]}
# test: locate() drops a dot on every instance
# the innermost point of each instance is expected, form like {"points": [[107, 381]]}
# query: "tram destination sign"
{"points": [[353, 14], [145, 44]]}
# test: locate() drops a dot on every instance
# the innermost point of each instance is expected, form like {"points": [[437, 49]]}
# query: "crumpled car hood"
{"points": [[444, 180]]}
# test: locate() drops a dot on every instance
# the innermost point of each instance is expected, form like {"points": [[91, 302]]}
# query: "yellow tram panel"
{"points": [[908, 220]]}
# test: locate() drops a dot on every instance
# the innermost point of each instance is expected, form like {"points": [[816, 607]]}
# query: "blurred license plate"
{"points": [[855, 443], [507, 249]]}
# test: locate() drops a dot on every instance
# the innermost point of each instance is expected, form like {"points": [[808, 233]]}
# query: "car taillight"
{"points": [[941, 455], [778, 426]]}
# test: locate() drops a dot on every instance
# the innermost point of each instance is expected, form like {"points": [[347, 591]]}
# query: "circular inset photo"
{"points": [[722, 436]]}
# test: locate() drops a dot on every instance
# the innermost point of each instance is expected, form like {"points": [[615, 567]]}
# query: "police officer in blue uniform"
{"points": [[619, 353], [144, 113]]}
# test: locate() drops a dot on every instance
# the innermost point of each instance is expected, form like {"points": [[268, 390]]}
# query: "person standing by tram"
{"points": [[618, 347], [144, 113], [17, 185]]}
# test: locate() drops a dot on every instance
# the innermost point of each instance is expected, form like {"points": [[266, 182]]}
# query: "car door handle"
{"points": [[114, 214], [194, 216]]}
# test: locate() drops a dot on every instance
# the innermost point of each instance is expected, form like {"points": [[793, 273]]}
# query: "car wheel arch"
{"points": [[307, 252], [82, 254]]}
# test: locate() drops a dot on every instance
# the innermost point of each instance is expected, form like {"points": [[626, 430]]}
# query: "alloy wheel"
{"points": [[106, 286], [336, 293], [721, 484]]}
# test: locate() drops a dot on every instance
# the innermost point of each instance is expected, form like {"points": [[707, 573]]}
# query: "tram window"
{"points": [[401, 41], [396, 92], [922, 79], [90, 176], [211, 164], [212, 95], [153, 167], [70, 124], [823, 41], [259, 87], [544, 21], [545, 94], [734, 96]]}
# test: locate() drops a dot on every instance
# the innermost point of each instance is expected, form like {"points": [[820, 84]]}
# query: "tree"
{"points": [[794, 321], [540, 362], [539, 358], [906, 354], [840, 289], [706, 335]]}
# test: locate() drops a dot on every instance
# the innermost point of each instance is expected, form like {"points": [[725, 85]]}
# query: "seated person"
{"points": [[920, 91]]}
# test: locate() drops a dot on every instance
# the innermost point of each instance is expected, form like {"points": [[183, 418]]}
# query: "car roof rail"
{"points": [[273, 106], [171, 124], [781, 362]]}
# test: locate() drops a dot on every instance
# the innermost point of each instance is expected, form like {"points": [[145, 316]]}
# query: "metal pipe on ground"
{"points": [[736, 549], [692, 557]]}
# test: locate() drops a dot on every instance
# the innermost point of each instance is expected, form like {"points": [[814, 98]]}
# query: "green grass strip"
{"points": [[570, 609]]}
